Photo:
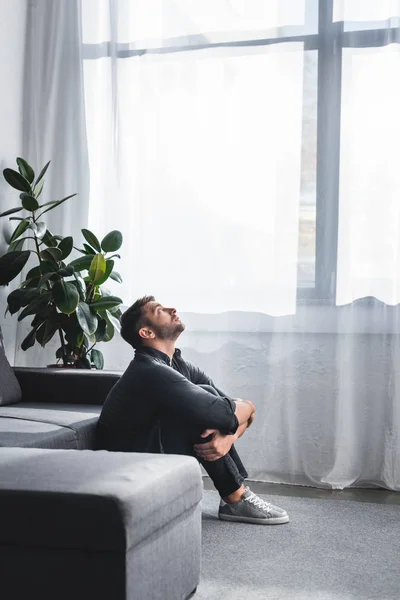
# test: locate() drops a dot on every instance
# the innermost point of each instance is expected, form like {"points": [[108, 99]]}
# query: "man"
{"points": [[162, 404]]}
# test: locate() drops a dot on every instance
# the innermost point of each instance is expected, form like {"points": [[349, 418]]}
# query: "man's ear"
{"points": [[146, 333]]}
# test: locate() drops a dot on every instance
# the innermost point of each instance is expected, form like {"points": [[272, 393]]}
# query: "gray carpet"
{"points": [[330, 550]]}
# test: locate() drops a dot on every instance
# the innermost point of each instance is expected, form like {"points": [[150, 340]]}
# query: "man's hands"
{"points": [[251, 418], [217, 447], [220, 444], [244, 411]]}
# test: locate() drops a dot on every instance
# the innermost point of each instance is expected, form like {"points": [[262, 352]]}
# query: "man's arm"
{"points": [[198, 377], [192, 403], [220, 444]]}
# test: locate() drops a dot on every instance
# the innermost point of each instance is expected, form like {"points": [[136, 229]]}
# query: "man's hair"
{"points": [[133, 319]]}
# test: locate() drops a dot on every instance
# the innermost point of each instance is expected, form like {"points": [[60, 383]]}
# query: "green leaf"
{"points": [[25, 170], [89, 249], [91, 239], [11, 211], [46, 332], [51, 253], [106, 302], [116, 312], [87, 320], [11, 264], [57, 203], [49, 239], [83, 263], [39, 229], [16, 245], [116, 276], [65, 246], [42, 173], [112, 241], [45, 267], [30, 295], [30, 283], [37, 305], [40, 318], [47, 277], [71, 327], [113, 319], [109, 268], [65, 296], [48, 203], [38, 189], [89, 340], [80, 286], [15, 300], [101, 331], [66, 271], [97, 359], [110, 330], [20, 229], [97, 269], [29, 202], [16, 180], [29, 341]]}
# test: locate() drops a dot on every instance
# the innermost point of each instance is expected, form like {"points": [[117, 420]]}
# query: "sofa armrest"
{"points": [[73, 386]]}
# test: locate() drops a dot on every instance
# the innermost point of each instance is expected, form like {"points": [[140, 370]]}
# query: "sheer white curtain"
{"points": [[202, 153], [369, 198], [209, 124], [54, 127]]}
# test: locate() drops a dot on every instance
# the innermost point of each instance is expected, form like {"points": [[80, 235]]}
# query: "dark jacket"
{"points": [[153, 386]]}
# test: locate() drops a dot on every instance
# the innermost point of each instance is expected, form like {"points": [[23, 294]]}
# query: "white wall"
{"points": [[12, 47]]}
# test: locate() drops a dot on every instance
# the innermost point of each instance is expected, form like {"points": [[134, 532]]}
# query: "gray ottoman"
{"points": [[78, 524]]}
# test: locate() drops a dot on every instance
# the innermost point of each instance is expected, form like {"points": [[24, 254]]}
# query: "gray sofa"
{"points": [[53, 408], [78, 523]]}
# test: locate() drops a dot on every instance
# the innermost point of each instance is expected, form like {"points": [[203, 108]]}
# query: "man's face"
{"points": [[164, 322]]}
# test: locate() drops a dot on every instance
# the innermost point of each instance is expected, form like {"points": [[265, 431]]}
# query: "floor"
{"points": [[374, 496], [347, 550]]}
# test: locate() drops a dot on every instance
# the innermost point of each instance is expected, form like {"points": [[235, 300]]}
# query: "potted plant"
{"points": [[61, 297]]}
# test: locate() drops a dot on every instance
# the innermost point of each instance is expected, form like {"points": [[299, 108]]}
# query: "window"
{"points": [[327, 29]]}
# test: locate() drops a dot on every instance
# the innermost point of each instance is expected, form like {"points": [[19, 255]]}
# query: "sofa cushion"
{"points": [[92, 500], [10, 391], [21, 433], [78, 421]]}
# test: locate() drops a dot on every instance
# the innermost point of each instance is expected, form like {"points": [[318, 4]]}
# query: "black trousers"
{"points": [[227, 473]]}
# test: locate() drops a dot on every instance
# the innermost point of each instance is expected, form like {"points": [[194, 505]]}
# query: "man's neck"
{"points": [[166, 346]]}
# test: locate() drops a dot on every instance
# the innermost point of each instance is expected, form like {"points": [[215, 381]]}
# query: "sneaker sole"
{"points": [[272, 521]]}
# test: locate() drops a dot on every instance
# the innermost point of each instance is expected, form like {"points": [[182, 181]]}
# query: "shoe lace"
{"points": [[259, 502]]}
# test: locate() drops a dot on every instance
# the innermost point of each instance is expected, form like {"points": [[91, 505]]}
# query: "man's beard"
{"points": [[168, 332]]}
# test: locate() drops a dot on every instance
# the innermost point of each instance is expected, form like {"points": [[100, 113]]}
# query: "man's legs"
{"points": [[232, 458], [227, 473]]}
